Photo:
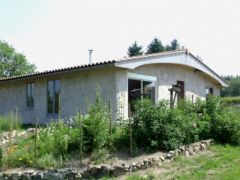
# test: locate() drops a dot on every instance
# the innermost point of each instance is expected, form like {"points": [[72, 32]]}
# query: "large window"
{"points": [[30, 95], [138, 89], [53, 96]]}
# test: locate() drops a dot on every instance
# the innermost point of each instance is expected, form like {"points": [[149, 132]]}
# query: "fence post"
{"points": [[35, 141], [130, 130], [110, 119], [81, 134]]}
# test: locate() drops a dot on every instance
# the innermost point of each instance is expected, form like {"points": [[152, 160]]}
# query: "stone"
{"points": [[190, 150], [182, 148], [169, 155], [118, 171], [202, 147], [93, 170], [104, 170], [139, 164], [162, 158], [86, 174], [78, 176], [187, 153], [146, 165], [37, 176], [53, 176], [196, 149]]}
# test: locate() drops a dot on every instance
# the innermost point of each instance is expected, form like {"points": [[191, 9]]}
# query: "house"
{"points": [[121, 81]]}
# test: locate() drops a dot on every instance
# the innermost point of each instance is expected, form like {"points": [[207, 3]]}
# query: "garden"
{"points": [[94, 138]]}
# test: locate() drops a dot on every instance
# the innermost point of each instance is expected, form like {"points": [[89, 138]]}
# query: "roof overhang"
{"points": [[182, 57]]}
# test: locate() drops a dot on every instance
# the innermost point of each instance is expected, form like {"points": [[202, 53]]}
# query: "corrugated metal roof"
{"points": [[67, 69]]}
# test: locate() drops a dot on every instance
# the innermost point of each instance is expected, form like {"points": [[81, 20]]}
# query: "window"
{"points": [[53, 96], [138, 89], [30, 93], [209, 91]]}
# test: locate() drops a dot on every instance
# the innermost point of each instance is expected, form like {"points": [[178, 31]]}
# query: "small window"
{"points": [[53, 97], [209, 91], [30, 95]]}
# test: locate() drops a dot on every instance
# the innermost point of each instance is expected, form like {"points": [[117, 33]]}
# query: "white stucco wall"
{"points": [[167, 74], [78, 91]]}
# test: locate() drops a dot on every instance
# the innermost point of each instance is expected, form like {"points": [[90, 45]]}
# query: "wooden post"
{"points": [[110, 119], [35, 141], [130, 131], [59, 106], [81, 134], [171, 98], [10, 137], [16, 118]]}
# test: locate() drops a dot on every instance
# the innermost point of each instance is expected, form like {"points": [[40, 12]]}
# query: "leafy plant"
{"points": [[96, 127], [1, 157]]}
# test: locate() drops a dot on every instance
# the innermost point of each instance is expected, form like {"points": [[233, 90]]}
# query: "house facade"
{"points": [[66, 91]]}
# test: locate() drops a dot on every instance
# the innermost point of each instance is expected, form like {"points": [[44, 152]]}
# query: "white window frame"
{"points": [[141, 77]]}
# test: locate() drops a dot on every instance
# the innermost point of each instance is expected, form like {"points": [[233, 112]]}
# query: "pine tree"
{"points": [[135, 50], [155, 46], [174, 44]]}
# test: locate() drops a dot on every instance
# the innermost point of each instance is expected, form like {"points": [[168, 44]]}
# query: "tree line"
{"points": [[154, 47], [234, 86]]}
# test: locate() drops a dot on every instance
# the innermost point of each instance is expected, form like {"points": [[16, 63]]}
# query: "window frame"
{"points": [[209, 91], [32, 92], [53, 113]]}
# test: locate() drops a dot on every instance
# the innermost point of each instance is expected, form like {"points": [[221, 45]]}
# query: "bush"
{"points": [[96, 126], [120, 138], [159, 127], [226, 128], [1, 157], [230, 100]]}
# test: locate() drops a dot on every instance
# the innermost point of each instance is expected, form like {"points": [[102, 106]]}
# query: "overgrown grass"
{"points": [[10, 122], [222, 163], [231, 100]]}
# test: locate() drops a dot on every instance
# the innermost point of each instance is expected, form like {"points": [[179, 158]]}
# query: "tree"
{"points": [[234, 88], [174, 45], [13, 63], [135, 50], [155, 46]]}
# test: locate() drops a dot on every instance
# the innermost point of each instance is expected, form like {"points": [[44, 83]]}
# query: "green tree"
{"points": [[174, 45], [155, 46], [234, 87], [135, 50], [13, 63]]}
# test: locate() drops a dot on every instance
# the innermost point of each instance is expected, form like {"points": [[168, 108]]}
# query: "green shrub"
{"points": [[159, 127], [226, 127], [120, 138], [231, 100], [1, 157], [96, 126]]}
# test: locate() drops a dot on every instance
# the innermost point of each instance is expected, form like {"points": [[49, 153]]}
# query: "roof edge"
{"points": [[61, 70]]}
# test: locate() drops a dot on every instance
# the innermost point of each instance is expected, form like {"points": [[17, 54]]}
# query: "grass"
{"points": [[10, 122], [222, 163]]}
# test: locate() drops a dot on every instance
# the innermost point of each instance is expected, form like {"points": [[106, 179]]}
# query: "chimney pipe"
{"points": [[90, 55]]}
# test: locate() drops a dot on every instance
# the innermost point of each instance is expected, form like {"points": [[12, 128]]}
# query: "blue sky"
{"points": [[58, 33]]}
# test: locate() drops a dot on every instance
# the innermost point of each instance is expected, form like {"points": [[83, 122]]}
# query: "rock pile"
{"points": [[109, 170], [14, 135]]}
